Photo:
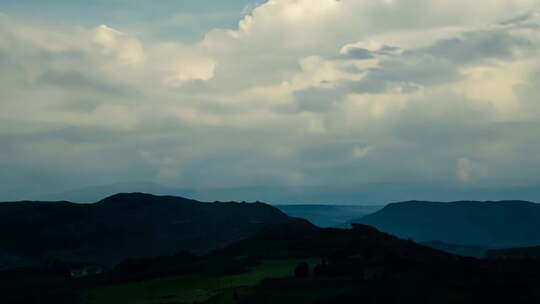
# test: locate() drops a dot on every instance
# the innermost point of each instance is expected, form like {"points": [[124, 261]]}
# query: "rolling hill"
{"points": [[484, 224], [291, 262], [358, 265], [125, 225]]}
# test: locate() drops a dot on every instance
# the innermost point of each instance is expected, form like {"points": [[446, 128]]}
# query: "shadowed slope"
{"points": [[486, 224], [127, 225]]}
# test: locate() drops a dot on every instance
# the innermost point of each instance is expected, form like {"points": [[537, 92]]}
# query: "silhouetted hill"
{"points": [[364, 265], [126, 225], [483, 224], [323, 265], [302, 239], [95, 193]]}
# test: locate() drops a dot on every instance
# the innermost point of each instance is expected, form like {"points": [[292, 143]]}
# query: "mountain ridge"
{"points": [[466, 203], [127, 225], [490, 224]]}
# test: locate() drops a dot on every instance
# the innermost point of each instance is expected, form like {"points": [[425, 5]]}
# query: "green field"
{"points": [[189, 289]]}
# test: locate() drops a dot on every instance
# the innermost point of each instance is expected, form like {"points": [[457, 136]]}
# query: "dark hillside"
{"points": [[468, 223], [126, 225]]}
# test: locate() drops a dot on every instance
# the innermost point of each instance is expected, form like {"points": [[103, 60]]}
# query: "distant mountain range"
{"points": [[122, 226], [501, 224], [270, 194], [328, 215], [364, 194], [96, 193]]}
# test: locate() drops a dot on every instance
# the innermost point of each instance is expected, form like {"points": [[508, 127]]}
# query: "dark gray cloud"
{"points": [[407, 73], [76, 80], [359, 53], [315, 99], [476, 46], [527, 20], [438, 63]]}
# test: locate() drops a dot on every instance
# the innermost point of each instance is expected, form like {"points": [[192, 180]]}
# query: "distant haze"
{"points": [[370, 194]]}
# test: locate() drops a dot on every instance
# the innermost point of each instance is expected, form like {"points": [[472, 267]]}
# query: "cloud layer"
{"points": [[301, 93]]}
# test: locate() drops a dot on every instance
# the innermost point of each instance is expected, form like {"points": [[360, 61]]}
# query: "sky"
{"points": [[327, 96]]}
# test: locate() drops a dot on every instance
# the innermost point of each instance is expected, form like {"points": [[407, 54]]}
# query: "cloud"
{"points": [[359, 152], [127, 50], [301, 93], [316, 99], [479, 45], [358, 53], [73, 80], [467, 171]]}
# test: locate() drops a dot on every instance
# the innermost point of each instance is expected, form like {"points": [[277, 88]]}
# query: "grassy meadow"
{"points": [[189, 289]]}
